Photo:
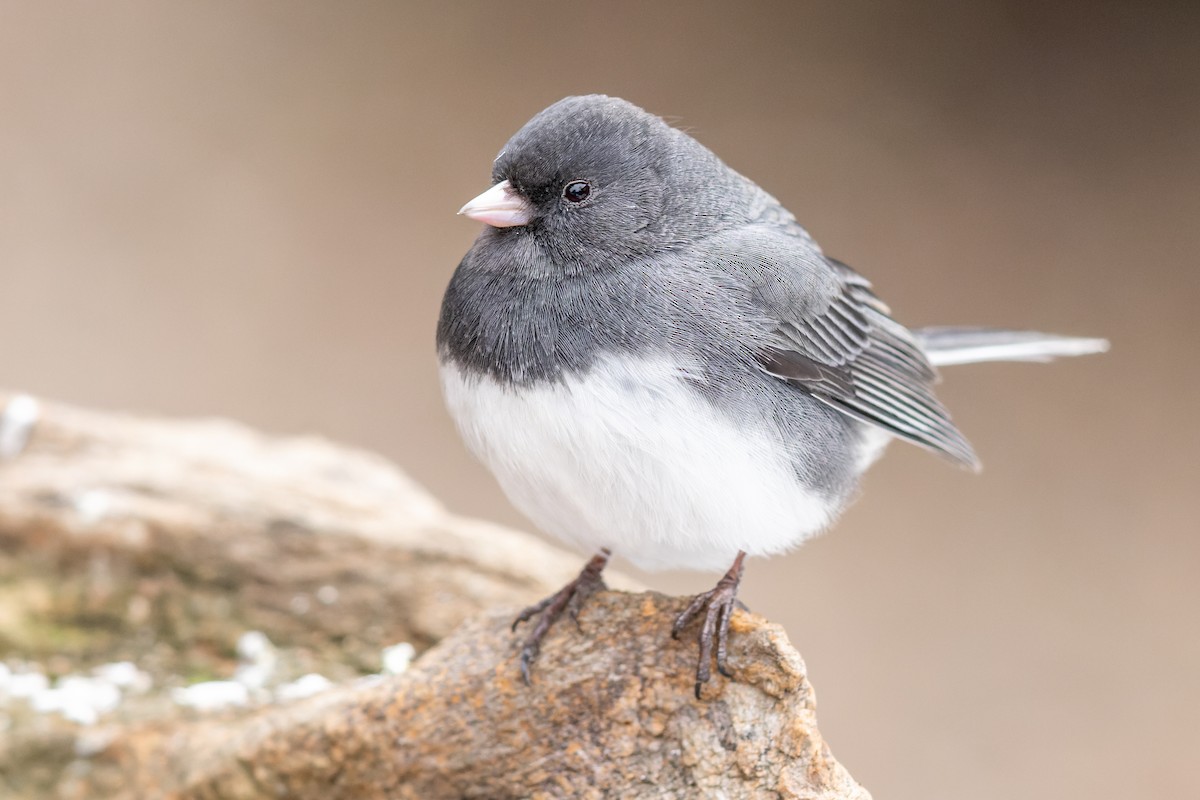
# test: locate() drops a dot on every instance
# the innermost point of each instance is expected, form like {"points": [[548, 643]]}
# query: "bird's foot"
{"points": [[570, 598], [718, 604]]}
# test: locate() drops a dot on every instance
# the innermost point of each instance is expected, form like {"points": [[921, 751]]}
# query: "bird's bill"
{"points": [[500, 207]]}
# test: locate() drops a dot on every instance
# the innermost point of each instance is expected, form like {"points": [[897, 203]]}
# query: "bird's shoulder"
{"points": [[780, 267]]}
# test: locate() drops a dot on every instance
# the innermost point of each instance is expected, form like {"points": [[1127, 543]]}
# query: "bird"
{"points": [[654, 359]]}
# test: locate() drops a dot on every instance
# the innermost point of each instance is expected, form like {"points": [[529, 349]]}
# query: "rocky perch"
{"points": [[190, 609]]}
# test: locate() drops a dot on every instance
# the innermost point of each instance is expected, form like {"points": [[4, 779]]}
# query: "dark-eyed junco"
{"points": [[656, 360]]}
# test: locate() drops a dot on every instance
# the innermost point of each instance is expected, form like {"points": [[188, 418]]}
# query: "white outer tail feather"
{"points": [[948, 346]]}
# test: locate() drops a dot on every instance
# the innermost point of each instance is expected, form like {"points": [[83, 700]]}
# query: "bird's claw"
{"points": [[533, 610], [528, 654], [570, 599], [717, 604]]}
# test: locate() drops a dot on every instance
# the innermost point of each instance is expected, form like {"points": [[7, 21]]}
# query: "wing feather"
{"points": [[853, 356]]}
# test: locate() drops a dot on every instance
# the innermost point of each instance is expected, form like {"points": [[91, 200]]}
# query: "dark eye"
{"points": [[577, 191]]}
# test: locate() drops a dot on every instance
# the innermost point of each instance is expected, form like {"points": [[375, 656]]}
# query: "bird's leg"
{"points": [[570, 598], [718, 604]]}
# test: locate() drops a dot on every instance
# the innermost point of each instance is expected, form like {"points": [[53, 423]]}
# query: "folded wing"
{"points": [[834, 339]]}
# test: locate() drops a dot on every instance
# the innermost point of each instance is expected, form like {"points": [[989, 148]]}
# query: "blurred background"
{"points": [[247, 210]]}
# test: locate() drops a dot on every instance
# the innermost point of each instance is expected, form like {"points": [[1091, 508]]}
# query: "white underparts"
{"points": [[631, 458]]}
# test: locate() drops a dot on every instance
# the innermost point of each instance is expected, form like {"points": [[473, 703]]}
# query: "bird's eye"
{"points": [[577, 191]]}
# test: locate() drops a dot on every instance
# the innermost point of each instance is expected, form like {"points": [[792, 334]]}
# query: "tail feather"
{"points": [[949, 345]]}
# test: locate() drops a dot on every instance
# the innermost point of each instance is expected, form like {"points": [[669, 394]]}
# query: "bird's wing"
{"points": [[833, 338]]}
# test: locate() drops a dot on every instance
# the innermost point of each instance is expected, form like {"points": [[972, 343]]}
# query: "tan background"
{"points": [[247, 209]]}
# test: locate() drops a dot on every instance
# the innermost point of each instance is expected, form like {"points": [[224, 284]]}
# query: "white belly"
{"points": [[628, 457]]}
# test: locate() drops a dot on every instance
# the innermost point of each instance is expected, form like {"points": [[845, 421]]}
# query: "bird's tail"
{"points": [[946, 346]]}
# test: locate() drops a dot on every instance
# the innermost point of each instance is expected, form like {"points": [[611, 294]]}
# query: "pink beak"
{"points": [[500, 207]]}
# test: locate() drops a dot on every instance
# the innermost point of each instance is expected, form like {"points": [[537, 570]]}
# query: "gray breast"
{"points": [[525, 328], [511, 313]]}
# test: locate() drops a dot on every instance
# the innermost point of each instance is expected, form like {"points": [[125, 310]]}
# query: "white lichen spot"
{"points": [[254, 676], [212, 695], [79, 699], [327, 595], [259, 658], [25, 684], [124, 675], [304, 686], [254, 645], [93, 505], [16, 423], [397, 658]]}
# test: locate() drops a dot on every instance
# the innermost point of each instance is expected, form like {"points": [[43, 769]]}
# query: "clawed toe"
{"points": [[528, 653], [718, 605], [569, 599], [688, 614], [533, 610]]}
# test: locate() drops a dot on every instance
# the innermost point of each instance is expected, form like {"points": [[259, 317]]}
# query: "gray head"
{"points": [[595, 180]]}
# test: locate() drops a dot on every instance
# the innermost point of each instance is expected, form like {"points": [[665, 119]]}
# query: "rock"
{"points": [[165, 543]]}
